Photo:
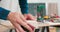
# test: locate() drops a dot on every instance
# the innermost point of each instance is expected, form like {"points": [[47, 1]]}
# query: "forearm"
{"points": [[24, 6], [3, 13]]}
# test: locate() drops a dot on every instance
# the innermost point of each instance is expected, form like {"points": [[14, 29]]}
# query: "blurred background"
{"points": [[46, 10]]}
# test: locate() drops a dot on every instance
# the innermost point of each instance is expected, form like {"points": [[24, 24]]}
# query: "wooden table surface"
{"points": [[3, 29], [7, 25]]}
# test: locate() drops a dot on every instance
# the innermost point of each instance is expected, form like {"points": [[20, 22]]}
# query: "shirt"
{"points": [[23, 5]]}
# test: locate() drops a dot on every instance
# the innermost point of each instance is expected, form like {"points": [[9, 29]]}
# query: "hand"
{"points": [[30, 17], [17, 20]]}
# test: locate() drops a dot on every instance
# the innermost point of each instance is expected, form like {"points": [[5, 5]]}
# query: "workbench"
{"points": [[4, 26]]}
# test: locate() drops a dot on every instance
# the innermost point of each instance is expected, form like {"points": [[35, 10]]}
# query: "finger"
{"points": [[17, 30], [23, 18], [24, 24], [30, 17], [32, 27], [16, 25]]}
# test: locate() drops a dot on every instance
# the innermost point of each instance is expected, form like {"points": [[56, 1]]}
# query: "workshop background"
{"points": [[49, 7]]}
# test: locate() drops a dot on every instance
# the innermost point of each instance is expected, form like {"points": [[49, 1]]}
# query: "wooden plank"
{"points": [[52, 29]]}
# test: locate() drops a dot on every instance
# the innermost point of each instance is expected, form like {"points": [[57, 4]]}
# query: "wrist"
{"points": [[10, 14]]}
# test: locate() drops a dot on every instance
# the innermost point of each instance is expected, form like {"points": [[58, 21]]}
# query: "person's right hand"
{"points": [[17, 20]]}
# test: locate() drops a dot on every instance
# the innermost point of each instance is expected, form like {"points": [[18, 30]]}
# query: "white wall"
{"points": [[39, 1], [47, 1]]}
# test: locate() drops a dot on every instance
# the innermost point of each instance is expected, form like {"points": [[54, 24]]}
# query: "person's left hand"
{"points": [[30, 17]]}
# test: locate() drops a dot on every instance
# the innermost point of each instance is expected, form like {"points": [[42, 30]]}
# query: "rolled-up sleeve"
{"points": [[24, 6], [3, 13]]}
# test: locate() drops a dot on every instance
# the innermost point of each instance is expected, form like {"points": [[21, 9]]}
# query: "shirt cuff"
{"points": [[3, 13]]}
